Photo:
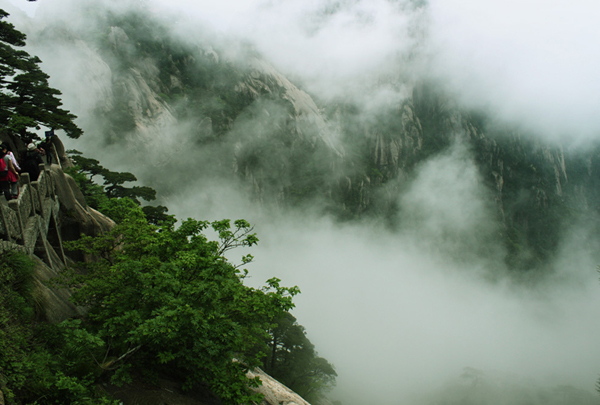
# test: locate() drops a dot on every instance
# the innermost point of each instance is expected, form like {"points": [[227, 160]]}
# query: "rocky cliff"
{"points": [[49, 211]]}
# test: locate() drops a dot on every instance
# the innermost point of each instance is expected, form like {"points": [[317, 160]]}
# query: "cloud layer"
{"points": [[532, 64]]}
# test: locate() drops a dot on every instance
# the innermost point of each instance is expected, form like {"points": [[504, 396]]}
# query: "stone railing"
{"points": [[27, 221]]}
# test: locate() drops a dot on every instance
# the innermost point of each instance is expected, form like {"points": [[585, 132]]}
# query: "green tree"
{"points": [[83, 171], [292, 359], [113, 185], [98, 195], [165, 299], [86, 168], [26, 99]]}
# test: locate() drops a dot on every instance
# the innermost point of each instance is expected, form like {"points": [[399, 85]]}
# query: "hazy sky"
{"points": [[28, 6], [531, 61]]}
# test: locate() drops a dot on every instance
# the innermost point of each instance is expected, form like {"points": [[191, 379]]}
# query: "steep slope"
{"points": [[52, 210]]}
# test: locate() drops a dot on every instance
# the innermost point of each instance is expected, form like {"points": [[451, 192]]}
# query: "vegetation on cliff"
{"points": [[165, 300], [293, 360], [113, 186], [39, 363], [161, 299]]}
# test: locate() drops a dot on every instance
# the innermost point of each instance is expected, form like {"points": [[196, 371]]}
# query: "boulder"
{"points": [[76, 217]]}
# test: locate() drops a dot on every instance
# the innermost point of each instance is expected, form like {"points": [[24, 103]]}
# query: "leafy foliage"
{"points": [[160, 299], [16, 313], [26, 99], [165, 298]]}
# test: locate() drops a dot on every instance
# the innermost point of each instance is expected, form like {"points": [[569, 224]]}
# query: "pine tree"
{"points": [[26, 99]]}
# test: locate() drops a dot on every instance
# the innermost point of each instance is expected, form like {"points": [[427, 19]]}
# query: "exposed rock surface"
{"points": [[76, 217], [274, 392], [54, 301], [309, 121]]}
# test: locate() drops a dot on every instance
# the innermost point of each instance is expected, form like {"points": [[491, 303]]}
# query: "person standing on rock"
{"points": [[46, 146], [8, 175]]}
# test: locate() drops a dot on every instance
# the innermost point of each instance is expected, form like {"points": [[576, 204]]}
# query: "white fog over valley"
{"points": [[402, 314]]}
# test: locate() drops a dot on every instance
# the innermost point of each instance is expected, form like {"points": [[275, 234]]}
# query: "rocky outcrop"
{"points": [[48, 211], [393, 152], [76, 217], [309, 122], [274, 392]]}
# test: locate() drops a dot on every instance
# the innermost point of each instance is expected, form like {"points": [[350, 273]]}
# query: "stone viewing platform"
{"points": [[29, 223]]}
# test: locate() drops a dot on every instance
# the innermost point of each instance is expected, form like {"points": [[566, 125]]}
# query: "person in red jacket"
{"points": [[9, 178]]}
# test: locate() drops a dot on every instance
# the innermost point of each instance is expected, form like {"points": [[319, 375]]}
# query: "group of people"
{"points": [[29, 163]]}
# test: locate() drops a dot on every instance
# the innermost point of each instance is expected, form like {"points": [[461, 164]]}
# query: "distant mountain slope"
{"points": [[221, 111]]}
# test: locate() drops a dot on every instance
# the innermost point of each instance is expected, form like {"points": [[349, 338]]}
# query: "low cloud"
{"points": [[399, 320], [530, 64]]}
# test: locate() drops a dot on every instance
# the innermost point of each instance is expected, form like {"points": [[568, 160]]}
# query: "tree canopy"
{"points": [[86, 168], [165, 299], [26, 99], [97, 195], [161, 301]]}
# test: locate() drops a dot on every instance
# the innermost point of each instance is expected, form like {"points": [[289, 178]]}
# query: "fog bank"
{"points": [[402, 314], [531, 64], [399, 321]]}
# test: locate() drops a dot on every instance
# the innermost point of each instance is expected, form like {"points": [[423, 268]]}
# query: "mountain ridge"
{"points": [[252, 124]]}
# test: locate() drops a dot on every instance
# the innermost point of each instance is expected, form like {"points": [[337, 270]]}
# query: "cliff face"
{"points": [[52, 210], [242, 119]]}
